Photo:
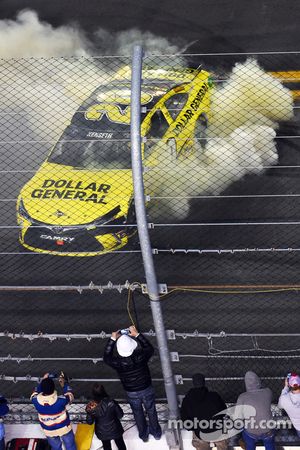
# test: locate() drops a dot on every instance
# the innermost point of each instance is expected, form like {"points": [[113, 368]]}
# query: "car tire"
{"points": [[172, 146], [201, 130]]}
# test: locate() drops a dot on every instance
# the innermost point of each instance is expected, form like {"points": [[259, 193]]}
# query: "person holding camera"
{"points": [[53, 416], [131, 364], [106, 414], [289, 399]]}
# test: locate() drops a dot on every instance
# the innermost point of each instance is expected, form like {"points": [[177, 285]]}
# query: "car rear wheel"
{"points": [[201, 130], [172, 146]]}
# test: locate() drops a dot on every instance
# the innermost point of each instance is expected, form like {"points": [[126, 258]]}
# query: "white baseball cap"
{"points": [[126, 345]]}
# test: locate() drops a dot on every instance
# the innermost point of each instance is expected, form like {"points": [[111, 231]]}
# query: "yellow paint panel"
{"points": [[296, 94], [84, 436], [288, 76]]}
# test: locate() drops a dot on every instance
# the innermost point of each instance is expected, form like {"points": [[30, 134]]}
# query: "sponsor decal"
{"points": [[114, 113], [94, 134], [192, 109], [72, 190], [57, 238]]}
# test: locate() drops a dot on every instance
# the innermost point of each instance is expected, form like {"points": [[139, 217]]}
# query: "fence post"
{"points": [[142, 225]]}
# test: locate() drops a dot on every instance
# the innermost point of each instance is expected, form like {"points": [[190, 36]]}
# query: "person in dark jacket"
{"points": [[106, 414], [200, 404], [131, 363]]}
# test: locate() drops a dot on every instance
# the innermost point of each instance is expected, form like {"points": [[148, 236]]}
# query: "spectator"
{"points": [[131, 363], [53, 416], [106, 414], [289, 400], [202, 404], [3, 411], [259, 399]]}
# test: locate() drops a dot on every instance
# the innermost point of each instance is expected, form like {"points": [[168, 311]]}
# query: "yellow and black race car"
{"points": [[80, 201]]}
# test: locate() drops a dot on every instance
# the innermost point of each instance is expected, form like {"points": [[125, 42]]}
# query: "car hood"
{"points": [[62, 195]]}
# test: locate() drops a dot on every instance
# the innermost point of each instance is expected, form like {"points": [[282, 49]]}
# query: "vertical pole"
{"points": [[142, 225]]}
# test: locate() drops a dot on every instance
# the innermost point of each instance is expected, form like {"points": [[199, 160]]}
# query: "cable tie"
{"points": [[68, 338], [79, 289], [14, 380], [88, 338], [91, 285], [100, 289]]}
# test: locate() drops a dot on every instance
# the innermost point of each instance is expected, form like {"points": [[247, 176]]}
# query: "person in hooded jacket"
{"points": [[106, 414], [255, 405], [202, 404], [131, 363], [289, 400]]}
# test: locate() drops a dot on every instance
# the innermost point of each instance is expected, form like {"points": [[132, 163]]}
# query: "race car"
{"points": [[80, 201]]}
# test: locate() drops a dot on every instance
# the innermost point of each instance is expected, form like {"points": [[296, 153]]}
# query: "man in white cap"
{"points": [[289, 399], [131, 363]]}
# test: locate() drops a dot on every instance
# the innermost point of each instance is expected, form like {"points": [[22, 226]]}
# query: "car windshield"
{"points": [[93, 148]]}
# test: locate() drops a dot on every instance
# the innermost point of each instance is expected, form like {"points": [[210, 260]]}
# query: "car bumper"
{"points": [[76, 243]]}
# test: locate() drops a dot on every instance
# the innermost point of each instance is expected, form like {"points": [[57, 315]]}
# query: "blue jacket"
{"points": [[53, 416]]}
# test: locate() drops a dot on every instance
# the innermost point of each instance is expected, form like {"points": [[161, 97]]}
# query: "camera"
{"points": [[56, 376], [53, 375], [124, 331]]}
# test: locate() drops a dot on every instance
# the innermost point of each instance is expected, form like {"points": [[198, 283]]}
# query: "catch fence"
{"points": [[220, 148]]}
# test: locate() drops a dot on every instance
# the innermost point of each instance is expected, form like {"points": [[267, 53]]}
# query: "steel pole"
{"points": [[143, 231]]}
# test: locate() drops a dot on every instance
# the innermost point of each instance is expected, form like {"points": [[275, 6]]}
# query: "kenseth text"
{"points": [[71, 190]]}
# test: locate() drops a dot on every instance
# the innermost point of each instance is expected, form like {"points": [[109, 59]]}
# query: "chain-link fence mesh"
{"points": [[66, 167], [221, 163]]}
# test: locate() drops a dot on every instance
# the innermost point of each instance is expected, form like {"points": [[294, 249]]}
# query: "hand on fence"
{"points": [[133, 331], [115, 335]]}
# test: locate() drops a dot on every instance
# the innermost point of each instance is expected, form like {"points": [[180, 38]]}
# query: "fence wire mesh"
{"points": [[221, 163]]}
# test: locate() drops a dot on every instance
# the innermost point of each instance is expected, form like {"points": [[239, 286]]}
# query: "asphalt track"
{"points": [[227, 26]]}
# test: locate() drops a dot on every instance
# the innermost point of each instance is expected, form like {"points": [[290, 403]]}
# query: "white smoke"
{"points": [[122, 43], [46, 92], [249, 96], [48, 88], [244, 116], [28, 37]]}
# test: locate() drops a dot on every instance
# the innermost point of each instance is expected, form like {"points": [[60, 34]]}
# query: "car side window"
{"points": [[175, 104], [158, 128]]}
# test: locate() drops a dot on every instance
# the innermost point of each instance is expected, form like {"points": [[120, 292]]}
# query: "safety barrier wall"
{"points": [[221, 163]]}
